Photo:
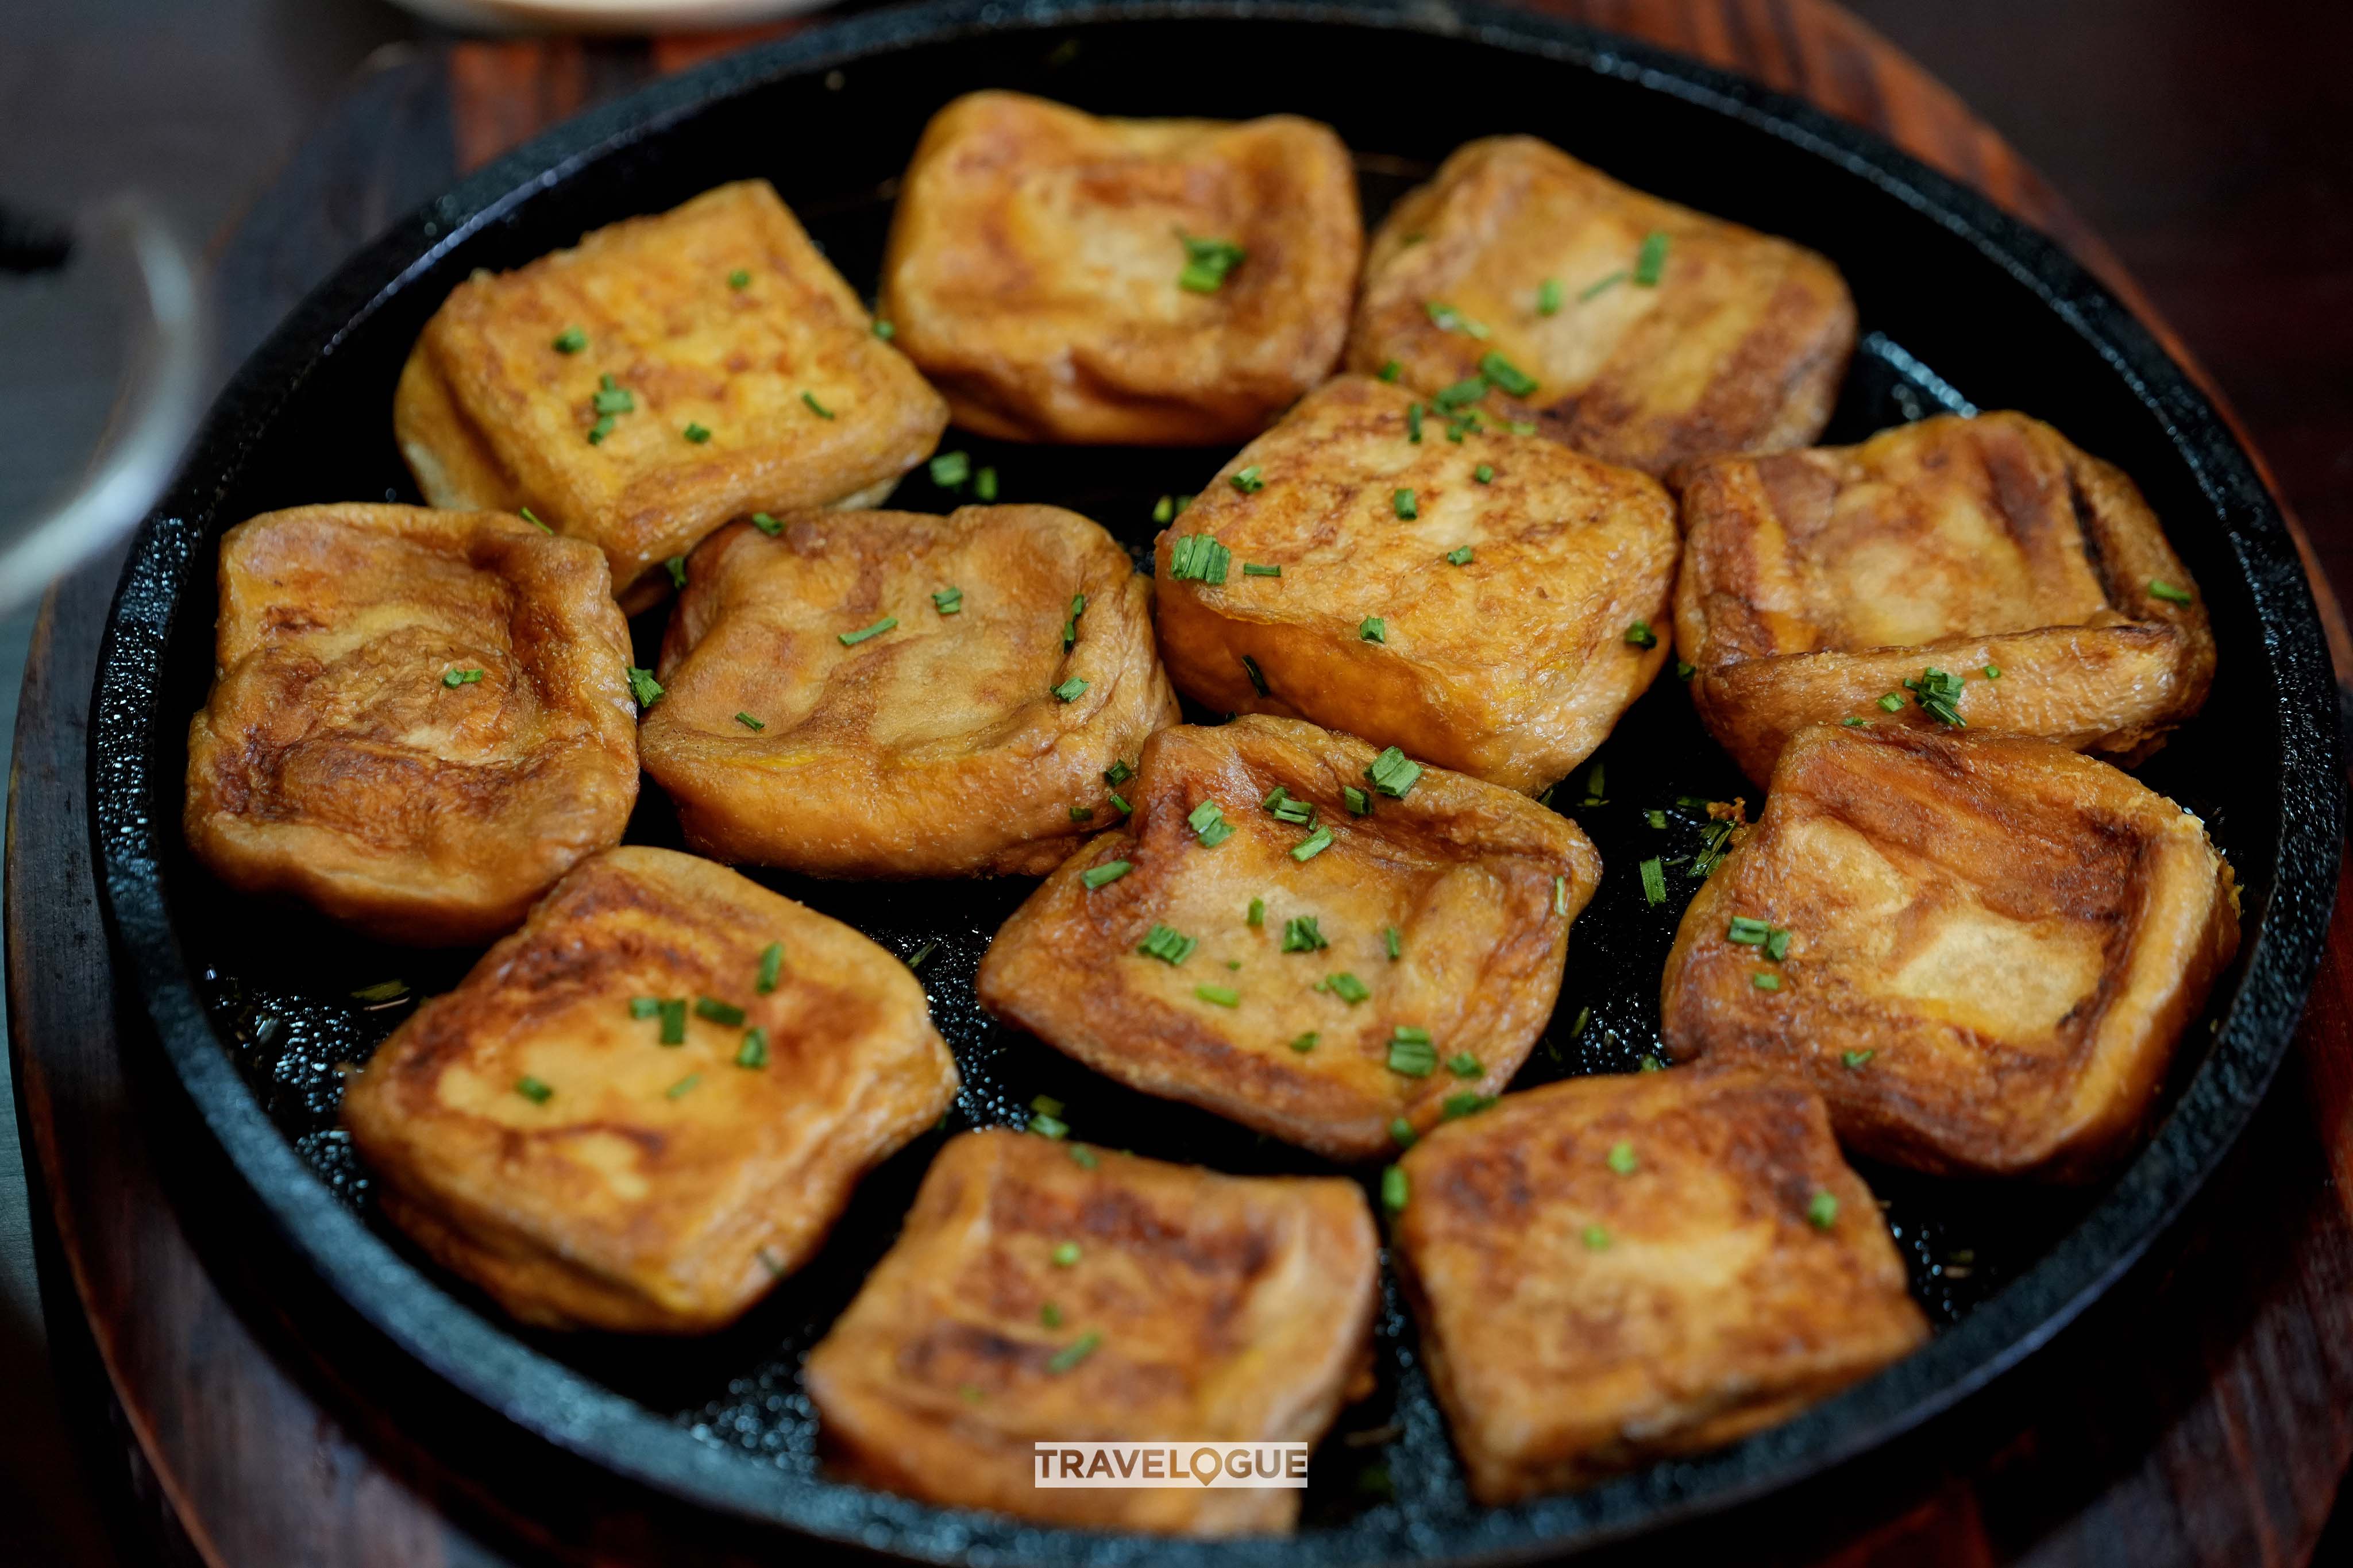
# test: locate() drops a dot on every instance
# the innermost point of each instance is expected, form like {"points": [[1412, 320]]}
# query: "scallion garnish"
{"points": [[772, 966], [820, 409], [949, 470], [718, 1011], [1652, 264], [1221, 995], [1108, 872], [571, 340], [531, 1088], [1623, 1160], [1654, 881], [753, 1051], [1373, 629], [1393, 773], [1640, 634], [1311, 846], [673, 1020], [1548, 297], [1252, 569], [1306, 1042], [1169, 945], [1602, 286], [1249, 481], [1506, 375], [1300, 934], [1410, 1052], [852, 639], [1209, 825], [1077, 1351], [1346, 987], [644, 686], [1071, 690], [1413, 423], [454, 678], [1391, 371], [2169, 593], [1206, 263], [1821, 1213], [948, 601], [767, 524]]}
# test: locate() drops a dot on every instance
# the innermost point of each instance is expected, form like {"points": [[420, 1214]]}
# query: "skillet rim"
{"points": [[476, 1355]]}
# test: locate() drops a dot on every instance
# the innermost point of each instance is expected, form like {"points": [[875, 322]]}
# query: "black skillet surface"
{"points": [[255, 1006]]}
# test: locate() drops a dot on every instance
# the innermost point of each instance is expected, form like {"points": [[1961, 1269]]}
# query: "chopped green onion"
{"points": [[1560, 895], [1468, 1103], [678, 1090], [1083, 1157], [767, 524], [820, 409], [1485, 473], [1252, 569], [2169, 593], [1993, 672], [771, 966], [644, 1007], [1394, 940], [1077, 1351], [1306, 1042], [718, 1011], [1219, 995], [1640, 634], [1764, 982], [948, 601], [1854, 723], [1939, 695], [1462, 557], [644, 686], [1108, 872], [1169, 945], [1548, 297], [1602, 286], [1891, 704], [1748, 931], [528, 516], [1082, 813], [1346, 987], [1209, 825], [739, 278], [1395, 1191], [531, 1088], [883, 329], [1623, 1160], [1463, 1064], [1119, 801], [1393, 773], [571, 340], [1447, 319], [1684, 672], [673, 1021], [1066, 1256], [1358, 802], [1247, 481], [1118, 774], [753, 1051], [695, 432], [1199, 558], [1856, 1061], [983, 484], [1373, 629], [1163, 509], [1391, 371], [1649, 1064], [915, 959], [1413, 423], [1050, 1315], [950, 469], [1411, 1054], [1046, 1124], [1300, 934], [613, 398], [1405, 504], [1822, 1212], [1652, 264], [1206, 263], [1776, 945], [1596, 1239], [1401, 1132], [676, 568], [454, 678], [1654, 881], [1315, 844], [1506, 375], [1255, 917], [852, 639], [1070, 690], [1462, 394]]}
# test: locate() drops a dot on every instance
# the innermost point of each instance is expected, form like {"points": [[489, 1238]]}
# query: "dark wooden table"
{"points": [[243, 1417]]}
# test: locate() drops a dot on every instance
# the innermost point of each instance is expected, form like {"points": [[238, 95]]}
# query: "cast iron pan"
{"points": [[1959, 306]]}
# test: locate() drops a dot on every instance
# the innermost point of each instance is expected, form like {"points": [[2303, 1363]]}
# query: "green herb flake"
{"points": [[1208, 262], [1394, 941], [529, 516], [1395, 1190], [1401, 1132], [1413, 423], [948, 601], [1462, 557], [1373, 629], [1110, 872], [984, 485], [1393, 773], [673, 1021], [1748, 931], [1505, 374], [1219, 995], [718, 1011], [753, 1051], [950, 469], [1654, 881], [1405, 504], [1071, 1355], [644, 686], [454, 678], [1208, 822], [696, 433], [1764, 982], [1652, 264], [1083, 1157], [1315, 844], [767, 524], [852, 639], [820, 409], [1463, 1064], [1119, 772], [1993, 672], [1640, 634], [1198, 558], [1548, 297], [571, 340], [1462, 394], [739, 278], [1050, 1315], [1485, 474], [1560, 896], [1856, 1061], [1358, 802], [1891, 704], [1623, 1160], [1169, 945], [531, 1088], [1046, 1124], [1252, 569], [1250, 481], [1602, 286], [684, 1086], [2161, 589], [1066, 1256], [1300, 934], [1821, 1213], [1071, 690], [1597, 1239], [1411, 1054], [883, 329], [1346, 987], [1255, 917], [1306, 1042], [1938, 693], [1391, 371], [644, 1007]]}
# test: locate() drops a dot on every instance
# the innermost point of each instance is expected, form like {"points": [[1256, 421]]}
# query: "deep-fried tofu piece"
{"points": [[1816, 583], [962, 739], [1613, 1270], [664, 376], [1497, 626], [418, 721], [1042, 1291], [1653, 333], [1992, 944], [650, 1103], [1321, 980], [1043, 269]]}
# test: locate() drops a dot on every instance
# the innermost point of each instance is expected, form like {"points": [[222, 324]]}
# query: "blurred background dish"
{"points": [[605, 15]]}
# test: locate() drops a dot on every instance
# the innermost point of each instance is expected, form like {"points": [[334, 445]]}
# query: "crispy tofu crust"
{"points": [[332, 761], [491, 413], [1480, 885], [1813, 584], [1994, 943], [1739, 346], [638, 1186], [1219, 1308], [1511, 666], [1034, 256], [1580, 1320], [938, 748]]}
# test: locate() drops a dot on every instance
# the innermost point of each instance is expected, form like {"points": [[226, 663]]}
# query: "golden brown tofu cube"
{"points": [[2030, 575], [1273, 956], [664, 376], [1012, 665], [1987, 947], [1065, 278], [1613, 1270], [1651, 334], [1041, 1291], [650, 1103], [418, 721], [1497, 626]]}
